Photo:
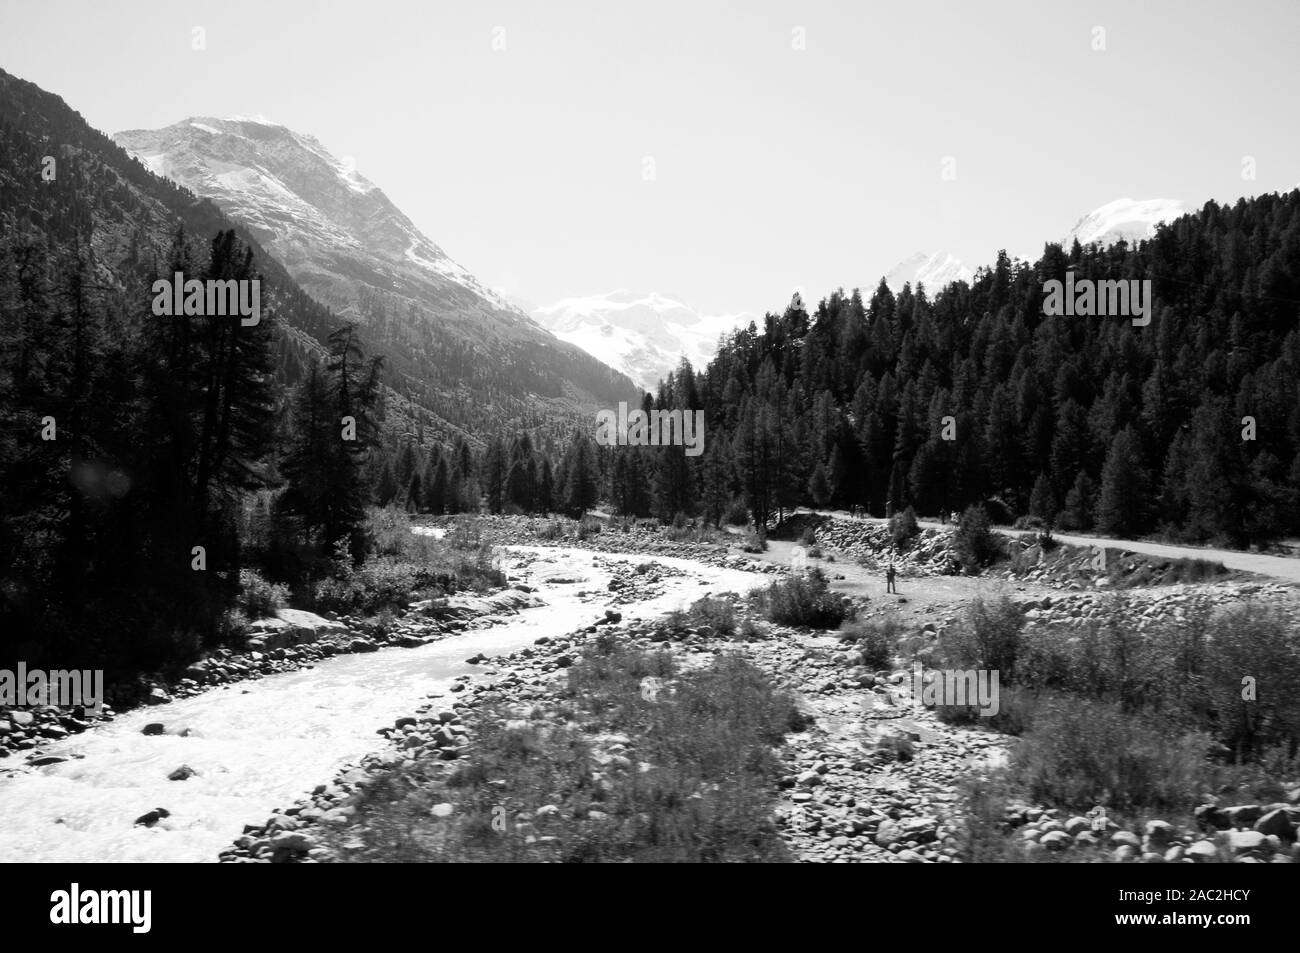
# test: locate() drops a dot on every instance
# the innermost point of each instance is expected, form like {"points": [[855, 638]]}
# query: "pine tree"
{"points": [[819, 486], [1077, 511], [437, 490], [494, 470], [386, 487], [1041, 502], [579, 478], [1125, 487]]}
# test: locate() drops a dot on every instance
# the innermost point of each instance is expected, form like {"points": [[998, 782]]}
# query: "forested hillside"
{"points": [[149, 462], [1087, 422]]}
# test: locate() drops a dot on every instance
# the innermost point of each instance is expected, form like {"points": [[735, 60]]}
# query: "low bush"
{"points": [[974, 543], [737, 514], [804, 600], [259, 598], [707, 797], [903, 527], [875, 639]]}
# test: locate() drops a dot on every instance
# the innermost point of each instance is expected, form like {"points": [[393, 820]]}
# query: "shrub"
{"points": [[804, 600], [989, 636], [465, 534], [715, 613], [257, 597], [808, 537], [1082, 752], [903, 527], [554, 530], [975, 543], [876, 639], [737, 513]]}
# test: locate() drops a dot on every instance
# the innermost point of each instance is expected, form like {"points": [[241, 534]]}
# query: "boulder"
{"points": [[152, 818], [1278, 823], [1056, 840]]}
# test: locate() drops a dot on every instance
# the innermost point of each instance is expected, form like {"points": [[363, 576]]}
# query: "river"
{"points": [[262, 744]]}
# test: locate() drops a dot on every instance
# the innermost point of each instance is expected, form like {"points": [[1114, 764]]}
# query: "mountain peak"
{"points": [[1125, 219], [347, 245], [642, 334], [935, 270], [306, 204]]}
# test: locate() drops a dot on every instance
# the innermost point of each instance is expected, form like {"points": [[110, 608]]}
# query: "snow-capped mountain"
{"points": [[1123, 219], [308, 207], [351, 248], [642, 335], [932, 270]]}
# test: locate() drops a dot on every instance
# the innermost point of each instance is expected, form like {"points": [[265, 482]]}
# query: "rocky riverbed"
{"points": [[871, 778]]}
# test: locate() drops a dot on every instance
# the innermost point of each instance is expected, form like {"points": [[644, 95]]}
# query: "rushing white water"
{"points": [[261, 744]]}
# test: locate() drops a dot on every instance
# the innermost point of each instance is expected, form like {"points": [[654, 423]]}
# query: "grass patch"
{"points": [[691, 779]]}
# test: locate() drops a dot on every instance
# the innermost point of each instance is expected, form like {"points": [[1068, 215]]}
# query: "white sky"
{"points": [[775, 168]]}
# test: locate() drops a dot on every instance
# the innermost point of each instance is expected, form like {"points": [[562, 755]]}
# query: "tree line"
{"points": [[1189, 427]]}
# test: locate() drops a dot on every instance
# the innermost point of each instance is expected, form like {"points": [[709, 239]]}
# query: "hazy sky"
{"points": [[774, 167]]}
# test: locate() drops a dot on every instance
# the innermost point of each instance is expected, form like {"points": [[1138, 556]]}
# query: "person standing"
{"points": [[889, 579]]}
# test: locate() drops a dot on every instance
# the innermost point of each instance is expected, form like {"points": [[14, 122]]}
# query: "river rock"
{"points": [[153, 817], [1277, 823]]}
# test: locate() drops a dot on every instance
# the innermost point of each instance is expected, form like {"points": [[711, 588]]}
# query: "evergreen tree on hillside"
{"points": [[1076, 514], [1042, 503], [1124, 503], [334, 431], [579, 486]]}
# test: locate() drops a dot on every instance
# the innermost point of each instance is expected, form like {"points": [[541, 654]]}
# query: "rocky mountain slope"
{"points": [[456, 343]]}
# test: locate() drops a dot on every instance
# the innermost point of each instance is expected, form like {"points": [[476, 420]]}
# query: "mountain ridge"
{"points": [[349, 246]]}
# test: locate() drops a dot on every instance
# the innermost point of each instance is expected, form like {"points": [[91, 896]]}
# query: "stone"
{"points": [[152, 818], [1210, 817], [183, 773], [1056, 840], [1203, 852], [291, 842], [1243, 815], [1277, 823], [442, 810], [895, 742], [1160, 834], [1241, 842], [888, 833], [1077, 825], [1125, 838]]}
